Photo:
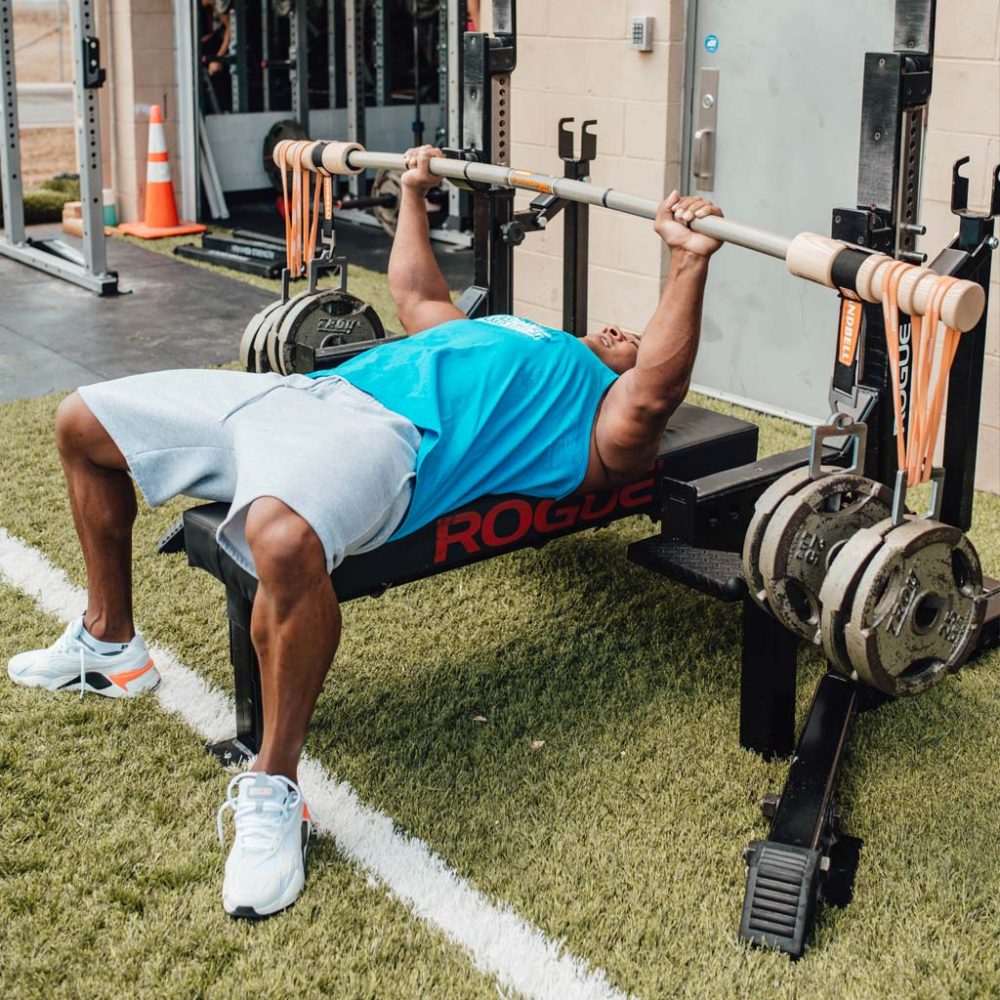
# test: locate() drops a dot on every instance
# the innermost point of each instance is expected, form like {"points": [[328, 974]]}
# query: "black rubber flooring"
{"points": [[55, 335], [365, 246]]}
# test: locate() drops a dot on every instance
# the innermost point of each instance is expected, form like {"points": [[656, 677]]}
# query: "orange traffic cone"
{"points": [[161, 209]]}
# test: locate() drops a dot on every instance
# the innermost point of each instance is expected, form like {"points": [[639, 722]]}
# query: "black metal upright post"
{"points": [[576, 232], [896, 91], [238, 55], [489, 62], [975, 244], [298, 61], [767, 684], [417, 126], [354, 37]]}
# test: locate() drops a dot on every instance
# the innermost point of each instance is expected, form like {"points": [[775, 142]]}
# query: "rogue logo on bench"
{"points": [[510, 521]]}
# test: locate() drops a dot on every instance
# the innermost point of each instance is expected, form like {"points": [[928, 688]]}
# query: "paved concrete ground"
{"points": [[365, 246], [54, 335]]}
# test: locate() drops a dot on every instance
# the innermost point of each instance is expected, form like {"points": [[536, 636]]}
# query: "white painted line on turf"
{"points": [[499, 941]]}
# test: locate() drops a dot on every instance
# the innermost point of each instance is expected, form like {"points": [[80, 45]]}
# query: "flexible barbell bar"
{"points": [[815, 258]]}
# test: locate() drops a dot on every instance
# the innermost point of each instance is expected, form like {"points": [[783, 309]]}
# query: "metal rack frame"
{"points": [[807, 858], [54, 256]]}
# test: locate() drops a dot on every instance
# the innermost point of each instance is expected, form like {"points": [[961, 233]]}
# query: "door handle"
{"points": [[703, 146], [704, 155]]}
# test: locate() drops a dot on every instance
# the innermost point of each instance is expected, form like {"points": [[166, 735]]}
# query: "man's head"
{"points": [[616, 348]]}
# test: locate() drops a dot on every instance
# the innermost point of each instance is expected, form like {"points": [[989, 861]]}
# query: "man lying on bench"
{"points": [[318, 468]]}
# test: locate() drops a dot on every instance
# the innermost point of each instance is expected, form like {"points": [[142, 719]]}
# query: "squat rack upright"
{"points": [[89, 269]]}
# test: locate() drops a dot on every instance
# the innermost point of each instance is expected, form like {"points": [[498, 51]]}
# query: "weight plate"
{"points": [[324, 319], [803, 537], [274, 340], [837, 592], [258, 350], [767, 503], [915, 614], [288, 128], [387, 182], [271, 345], [277, 343], [246, 341]]}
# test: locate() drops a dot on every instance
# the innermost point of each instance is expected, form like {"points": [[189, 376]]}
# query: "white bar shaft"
{"points": [[760, 240]]}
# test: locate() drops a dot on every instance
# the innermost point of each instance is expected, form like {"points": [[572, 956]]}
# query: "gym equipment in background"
{"points": [[252, 253], [310, 62], [54, 256]]}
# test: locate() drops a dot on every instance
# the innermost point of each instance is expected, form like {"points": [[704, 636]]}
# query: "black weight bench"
{"points": [[697, 443]]}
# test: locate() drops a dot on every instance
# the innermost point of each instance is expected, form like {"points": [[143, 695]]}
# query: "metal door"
{"points": [[787, 114]]}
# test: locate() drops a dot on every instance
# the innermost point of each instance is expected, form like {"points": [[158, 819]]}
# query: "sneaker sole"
{"points": [[121, 684], [284, 902]]}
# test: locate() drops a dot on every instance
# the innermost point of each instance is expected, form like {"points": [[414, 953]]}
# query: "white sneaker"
{"points": [[265, 870], [69, 664]]}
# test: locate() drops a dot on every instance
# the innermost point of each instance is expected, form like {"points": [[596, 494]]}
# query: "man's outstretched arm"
{"points": [[417, 285], [638, 405]]}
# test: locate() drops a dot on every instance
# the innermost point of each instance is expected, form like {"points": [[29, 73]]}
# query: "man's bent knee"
{"points": [[80, 434], [283, 543]]}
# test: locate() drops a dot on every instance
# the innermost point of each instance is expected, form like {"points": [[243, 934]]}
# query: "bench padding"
{"points": [[698, 442]]}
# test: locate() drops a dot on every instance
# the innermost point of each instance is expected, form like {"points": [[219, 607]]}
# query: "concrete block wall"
{"points": [[964, 120], [574, 61], [141, 58]]}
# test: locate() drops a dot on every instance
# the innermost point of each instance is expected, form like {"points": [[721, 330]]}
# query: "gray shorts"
{"points": [[331, 452]]}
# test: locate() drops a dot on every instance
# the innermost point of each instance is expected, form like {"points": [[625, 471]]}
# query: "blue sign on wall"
{"points": [[711, 43]]}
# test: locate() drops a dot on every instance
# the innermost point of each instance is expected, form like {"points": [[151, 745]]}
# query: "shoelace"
{"points": [[260, 822], [65, 644]]}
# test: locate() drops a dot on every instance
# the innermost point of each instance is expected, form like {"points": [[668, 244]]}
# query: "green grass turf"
{"points": [[110, 870], [622, 834]]}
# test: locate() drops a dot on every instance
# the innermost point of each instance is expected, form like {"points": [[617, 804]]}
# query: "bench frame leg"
{"points": [[246, 674], [767, 684], [806, 857]]}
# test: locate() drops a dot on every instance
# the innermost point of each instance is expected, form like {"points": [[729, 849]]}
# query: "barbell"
{"points": [[815, 258]]}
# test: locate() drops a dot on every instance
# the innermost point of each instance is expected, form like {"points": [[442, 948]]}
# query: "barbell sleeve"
{"points": [[815, 258]]}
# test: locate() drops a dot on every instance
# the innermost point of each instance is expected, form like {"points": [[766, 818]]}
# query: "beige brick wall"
{"points": [[580, 66], [140, 53], [964, 120]]}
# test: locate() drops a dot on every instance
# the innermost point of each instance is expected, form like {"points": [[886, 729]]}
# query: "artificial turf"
{"points": [[622, 834]]}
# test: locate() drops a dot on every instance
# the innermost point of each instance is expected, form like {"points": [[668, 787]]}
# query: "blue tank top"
{"points": [[505, 406]]}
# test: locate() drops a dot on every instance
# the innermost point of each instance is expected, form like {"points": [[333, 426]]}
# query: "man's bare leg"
{"points": [[102, 499], [295, 628]]}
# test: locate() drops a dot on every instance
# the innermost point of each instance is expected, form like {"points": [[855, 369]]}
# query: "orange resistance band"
{"points": [[301, 212], [928, 384]]}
